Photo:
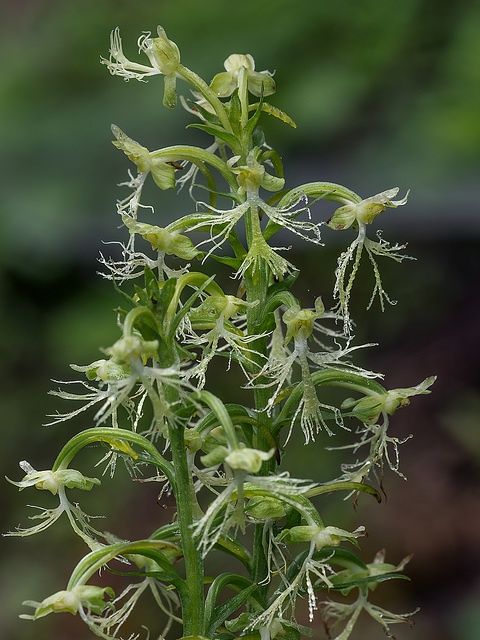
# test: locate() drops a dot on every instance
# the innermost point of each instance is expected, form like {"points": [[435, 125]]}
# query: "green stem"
{"points": [[193, 602], [256, 282], [196, 156], [193, 607], [200, 85]]}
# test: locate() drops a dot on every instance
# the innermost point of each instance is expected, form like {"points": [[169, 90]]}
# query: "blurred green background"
{"points": [[384, 94]]}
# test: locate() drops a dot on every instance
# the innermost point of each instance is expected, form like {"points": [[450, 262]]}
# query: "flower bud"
{"points": [[193, 440], [132, 347], [247, 459], [267, 508]]}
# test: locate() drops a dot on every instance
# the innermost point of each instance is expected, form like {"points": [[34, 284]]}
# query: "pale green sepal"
{"points": [[163, 173], [162, 52]]}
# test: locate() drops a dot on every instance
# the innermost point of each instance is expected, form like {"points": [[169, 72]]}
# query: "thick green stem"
{"points": [[256, 282], [193, 602], [193, 608]]}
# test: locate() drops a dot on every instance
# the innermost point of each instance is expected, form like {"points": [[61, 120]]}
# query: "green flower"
{"points": [[170, 242], [225, 83], [252, 175], [72, 601], [320, 536], [163, 55], [369, 408], [162, 172], [57, 482], [247, 459], [106, 370], [132, 347], [53, 480], [298, 320], [366, 210]]}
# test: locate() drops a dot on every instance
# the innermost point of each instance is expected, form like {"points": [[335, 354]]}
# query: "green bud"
{"points": [[193, 440], [132, 347], [267, 508], [247, 459]]}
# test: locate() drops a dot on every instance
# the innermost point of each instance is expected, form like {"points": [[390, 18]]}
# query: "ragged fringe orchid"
{"points": [[154, 398]]}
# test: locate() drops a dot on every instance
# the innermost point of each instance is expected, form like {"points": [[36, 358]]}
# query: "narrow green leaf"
{"points": [[151, 286], [221, 613], [229, 138], [206, 115], [166, 294]]}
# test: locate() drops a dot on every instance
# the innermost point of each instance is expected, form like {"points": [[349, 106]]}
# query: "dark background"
{"points": [[384, 94]]}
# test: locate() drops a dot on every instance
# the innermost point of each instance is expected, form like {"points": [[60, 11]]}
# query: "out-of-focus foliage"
{"points": [[394, 95]]}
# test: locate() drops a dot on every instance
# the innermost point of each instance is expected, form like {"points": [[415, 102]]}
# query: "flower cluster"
{"points": [[155, 397]]}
